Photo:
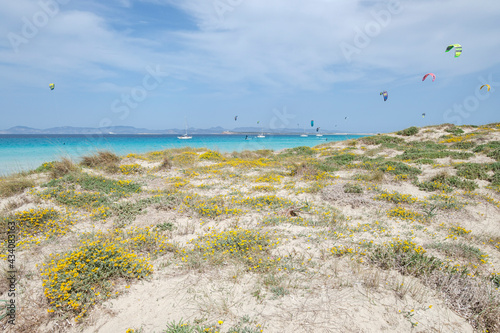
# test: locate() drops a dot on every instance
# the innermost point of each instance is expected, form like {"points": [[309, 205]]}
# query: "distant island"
{"points": [[144, 131]]}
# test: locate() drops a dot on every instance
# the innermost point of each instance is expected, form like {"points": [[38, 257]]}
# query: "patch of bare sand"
{"points": [[355, 302]]}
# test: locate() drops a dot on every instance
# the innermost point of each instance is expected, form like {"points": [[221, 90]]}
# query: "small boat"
{"points": [[319, 134], [261, 135], [304, 135], [185, 136]]}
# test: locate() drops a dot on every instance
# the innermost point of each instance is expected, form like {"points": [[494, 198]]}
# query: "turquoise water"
{"points": [[26, 152]]}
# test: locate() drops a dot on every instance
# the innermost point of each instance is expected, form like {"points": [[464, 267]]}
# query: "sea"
{"points": [[27, 152]]}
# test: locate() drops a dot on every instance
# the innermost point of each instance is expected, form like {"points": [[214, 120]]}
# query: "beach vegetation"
{"points": [[14, 184], [473, 171], [101, 159], [211, 156], [454, 130], [409, 131], [62, 168]]}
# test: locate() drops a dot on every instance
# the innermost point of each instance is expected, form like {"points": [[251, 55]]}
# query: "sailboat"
{"points": [[185, 136], [261, 135], [304, 135]]}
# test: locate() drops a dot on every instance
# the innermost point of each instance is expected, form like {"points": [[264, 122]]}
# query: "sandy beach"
{"points": [[396, 232]]}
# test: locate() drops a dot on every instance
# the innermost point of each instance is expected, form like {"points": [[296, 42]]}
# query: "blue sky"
{"points": [[158, 63]]}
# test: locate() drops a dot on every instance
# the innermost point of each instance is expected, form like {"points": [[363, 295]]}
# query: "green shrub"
{"points": [[409, 131], [472, 171], [381, 140], [454, 130], [298, 151], [495, 154], [341, 159], [398, 168], [353, 188], [463, 145], [487, 147], [414, 154]]}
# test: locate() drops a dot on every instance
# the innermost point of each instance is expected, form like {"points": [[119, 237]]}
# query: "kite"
{"points": [[384, 93], [485, 85], [432, 74], [52, 86], [312, 123], [423, 115], [317, 129], [235, 118], [458, 49]]}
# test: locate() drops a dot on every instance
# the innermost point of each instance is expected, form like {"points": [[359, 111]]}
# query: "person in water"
{"points": [[246, 137]]}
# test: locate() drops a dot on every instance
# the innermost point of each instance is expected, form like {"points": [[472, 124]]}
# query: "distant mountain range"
{"points": [[134, 130]]}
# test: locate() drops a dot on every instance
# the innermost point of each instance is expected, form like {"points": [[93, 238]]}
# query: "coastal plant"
{"points": [[101, 159], [353, 188], [246, 246], [396, 197], [209, 206], [472, 170], [128, 169], [127, 211], [165, 164], [425, 161], [62, 168], [426, 145], [46, 166], [405, 214], [384, 140], [262, 202], [264, 188], [211, 156], [445, 183], [444, 201], [269, 178], [341, 159], [297, 151], [14, 184], [186, 327], [416, 154], [487, 147], [409, 131], [495, 154], [463, 145], [184, 159], [454, 130], [476, 300], [460, 250], [36, 225], [398, 168], [75, 281], [117, 188]]}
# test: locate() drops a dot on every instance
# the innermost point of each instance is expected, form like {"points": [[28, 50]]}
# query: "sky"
{"points": [[162, 64]]}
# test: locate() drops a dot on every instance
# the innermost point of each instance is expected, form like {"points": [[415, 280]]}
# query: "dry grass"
{"points": [[165, 164], [14, 184], [102, 159], [62, 168]]}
